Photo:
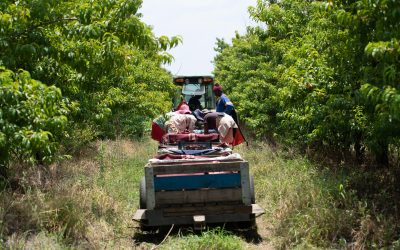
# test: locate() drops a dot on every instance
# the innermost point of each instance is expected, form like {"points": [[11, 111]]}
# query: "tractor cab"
{"points": [[196, 91]]}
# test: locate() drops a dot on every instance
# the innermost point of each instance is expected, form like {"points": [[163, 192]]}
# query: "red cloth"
{"points": [[174, 157], [207, 137], [168, 157], [238, 137], [157, 132]]}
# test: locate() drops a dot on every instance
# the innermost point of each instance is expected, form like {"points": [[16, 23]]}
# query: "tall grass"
{"points": [[298, 197], [88, 202], [312, 205]]}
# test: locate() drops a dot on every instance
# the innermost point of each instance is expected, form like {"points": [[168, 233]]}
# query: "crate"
{"points": [[197, 192]]}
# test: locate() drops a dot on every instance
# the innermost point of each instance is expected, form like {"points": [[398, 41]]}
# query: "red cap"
{"points": [[217, 87]]}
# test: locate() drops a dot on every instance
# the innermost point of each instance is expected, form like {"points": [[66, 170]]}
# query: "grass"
{"points": [[310, 205], [298, 199], [88, 202], [213, 239]]}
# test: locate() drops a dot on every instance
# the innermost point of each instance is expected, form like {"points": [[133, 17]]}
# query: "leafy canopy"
{"points": [[322, 73], [97, 55]]}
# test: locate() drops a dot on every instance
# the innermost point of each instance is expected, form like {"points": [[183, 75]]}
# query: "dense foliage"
{"points": [[319, 73], [103, 59], [32, 118]]}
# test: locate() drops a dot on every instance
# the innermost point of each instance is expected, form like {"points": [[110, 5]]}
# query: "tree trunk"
{"points": [[359, 149], [3, 173], [382, 154]]}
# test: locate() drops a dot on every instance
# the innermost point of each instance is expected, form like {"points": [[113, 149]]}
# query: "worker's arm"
{"points": [[228, 105]]}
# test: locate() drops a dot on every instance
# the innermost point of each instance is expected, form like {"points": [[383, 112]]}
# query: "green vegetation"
{"points": [[88, 202], [32, 119], [322, 77], [319, 78], [326, 74], [211, 239], [101, 62], [306, 205]]}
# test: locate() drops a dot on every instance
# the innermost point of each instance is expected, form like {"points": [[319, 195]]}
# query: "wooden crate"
{"points": [[197, 192], [178, 183]]}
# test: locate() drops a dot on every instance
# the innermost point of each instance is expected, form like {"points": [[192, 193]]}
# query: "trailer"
{"points": [[192, 180], [214, 188]]}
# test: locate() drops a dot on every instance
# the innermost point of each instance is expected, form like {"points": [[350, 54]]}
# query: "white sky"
{"points": [[199, 23]]}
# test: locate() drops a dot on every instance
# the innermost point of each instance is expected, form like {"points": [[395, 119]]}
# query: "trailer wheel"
{"points": [[248, 225], [142, 190]]}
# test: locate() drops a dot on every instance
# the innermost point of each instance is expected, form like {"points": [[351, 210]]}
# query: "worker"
{"points": [[223, 103], [225, 125], [226, 106], [210, 121], [181, 121], [194, 103]]}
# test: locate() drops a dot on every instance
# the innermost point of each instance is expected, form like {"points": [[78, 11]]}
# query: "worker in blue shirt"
{"points": [[223, 103], [226, 106]]}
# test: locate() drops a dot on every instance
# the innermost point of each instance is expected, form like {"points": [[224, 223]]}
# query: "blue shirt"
{"points": [[224, 104]]}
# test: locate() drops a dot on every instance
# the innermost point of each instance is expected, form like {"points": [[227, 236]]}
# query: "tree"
{"points": [[99, 53], [32, 119], [320, 74]]}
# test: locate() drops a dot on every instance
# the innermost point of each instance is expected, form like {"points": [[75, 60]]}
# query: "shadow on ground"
{"points": [[157, 235]]}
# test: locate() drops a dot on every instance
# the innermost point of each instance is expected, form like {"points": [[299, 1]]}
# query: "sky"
{"points": [[199, 23]]}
